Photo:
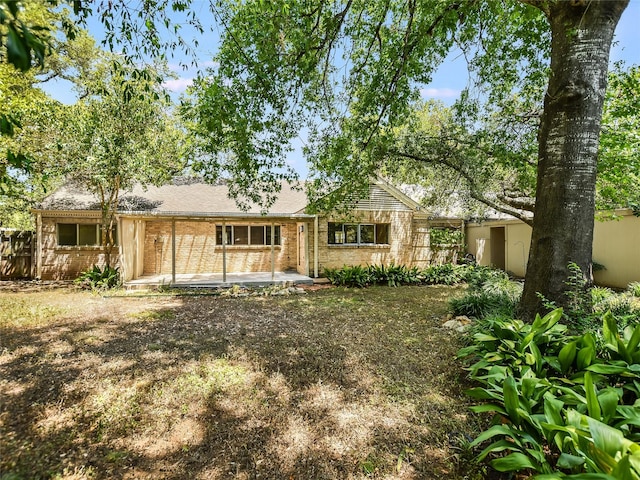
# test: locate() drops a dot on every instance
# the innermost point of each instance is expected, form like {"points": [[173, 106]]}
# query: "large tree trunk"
{"points": [[582, 32]]}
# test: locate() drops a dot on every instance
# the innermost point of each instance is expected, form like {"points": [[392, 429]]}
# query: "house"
{"points": [[504, 243], [194, 228]]}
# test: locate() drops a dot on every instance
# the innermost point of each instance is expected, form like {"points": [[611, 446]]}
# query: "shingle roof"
{"points": [[192, 198]]}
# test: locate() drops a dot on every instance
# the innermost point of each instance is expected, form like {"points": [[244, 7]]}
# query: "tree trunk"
{"points": [[582, 33]]}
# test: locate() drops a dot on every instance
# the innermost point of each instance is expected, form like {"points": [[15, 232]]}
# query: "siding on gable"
{"points": [[380, 199]]}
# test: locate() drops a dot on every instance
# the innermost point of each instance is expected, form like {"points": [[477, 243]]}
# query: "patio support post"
{"points": [[273, 252], [173, 251], [121, 260], [316, 236], [306, 249], [39, 246], [224, 252]]}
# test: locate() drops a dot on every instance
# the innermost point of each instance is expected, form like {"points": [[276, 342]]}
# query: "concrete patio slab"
{"points": [[215, 280]]}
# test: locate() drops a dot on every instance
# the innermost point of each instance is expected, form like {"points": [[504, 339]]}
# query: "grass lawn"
{"points": [[334, 384]]}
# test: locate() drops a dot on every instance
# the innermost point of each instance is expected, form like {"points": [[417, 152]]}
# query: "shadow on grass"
{"points": [[338, 384]]}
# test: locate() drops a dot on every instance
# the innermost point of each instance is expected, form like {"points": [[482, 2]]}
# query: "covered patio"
{"points": [[216, 280]]}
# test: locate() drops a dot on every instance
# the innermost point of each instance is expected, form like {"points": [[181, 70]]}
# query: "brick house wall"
{"points": [[67, 262], [403, 238], [198, 252]]}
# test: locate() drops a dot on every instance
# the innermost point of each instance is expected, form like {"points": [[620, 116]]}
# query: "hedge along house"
{"points": [[195, 228]]}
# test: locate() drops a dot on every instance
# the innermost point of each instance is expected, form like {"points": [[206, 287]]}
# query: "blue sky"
{"points": [[447, 83]]}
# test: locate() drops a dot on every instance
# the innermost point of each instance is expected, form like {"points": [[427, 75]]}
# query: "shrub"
{"points": [[99, 278], [354, 276], [447, 274], [478, 275], [561, 405], [490, 296], [634, 289], [600, 295], [394, 275]]}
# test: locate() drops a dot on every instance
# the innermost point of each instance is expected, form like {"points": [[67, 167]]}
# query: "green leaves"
{"points": [[567, 356], [587, 419], [25, 43]]}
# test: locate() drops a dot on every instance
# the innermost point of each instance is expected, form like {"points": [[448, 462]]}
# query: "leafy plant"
{"points": [[99, 278], [349, 276], [634, 289], [600, 294], [478, 275], [491, 295], [563, 405], [447, 274]]}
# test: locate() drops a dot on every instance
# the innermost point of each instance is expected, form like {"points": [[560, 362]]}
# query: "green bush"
{"points": [[99, 278], [634, 289], [492, 295], [354, 276], [562, 405], [477, 275], [396, 275], [600, 295], [447, 274]]}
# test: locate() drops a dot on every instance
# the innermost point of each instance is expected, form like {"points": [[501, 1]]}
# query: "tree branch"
{"points": [[473, 191]]}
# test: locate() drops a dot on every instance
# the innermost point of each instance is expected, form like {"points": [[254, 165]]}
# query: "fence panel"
{"points": [[16, 254]]}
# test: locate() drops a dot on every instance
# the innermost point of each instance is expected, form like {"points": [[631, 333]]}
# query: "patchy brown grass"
{"points": [[335, 384]]}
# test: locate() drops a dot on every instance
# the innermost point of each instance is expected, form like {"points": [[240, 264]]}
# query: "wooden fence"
{"points": [[17, 254]]}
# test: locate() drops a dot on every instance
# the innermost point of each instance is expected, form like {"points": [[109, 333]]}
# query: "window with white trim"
{"points": [[248, 234], [82, 234], [358, 233]]}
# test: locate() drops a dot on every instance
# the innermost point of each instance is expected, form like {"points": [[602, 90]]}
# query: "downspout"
{"points": [[316, 236]]}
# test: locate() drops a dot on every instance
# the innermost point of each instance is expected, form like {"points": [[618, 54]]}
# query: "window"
{"points": [[358, 233], [80, 234], [245, 235]]}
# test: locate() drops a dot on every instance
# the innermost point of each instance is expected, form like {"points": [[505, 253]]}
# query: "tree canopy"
{"points": [[350, 72], [120, 134], [493, 166]]}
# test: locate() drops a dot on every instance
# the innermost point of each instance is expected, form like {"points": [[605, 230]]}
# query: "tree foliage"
{"points": [[31, 120], [493, 165], [120, 134], [619, 160]]}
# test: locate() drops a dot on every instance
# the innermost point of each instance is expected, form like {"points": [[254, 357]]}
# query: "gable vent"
{"points": [[380, 199]]}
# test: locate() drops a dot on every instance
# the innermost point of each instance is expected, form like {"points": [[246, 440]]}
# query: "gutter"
{"points": [[173, 214]]}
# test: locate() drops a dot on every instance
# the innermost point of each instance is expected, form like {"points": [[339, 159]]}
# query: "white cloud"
{"points": [[178, 84], [439, 93]]}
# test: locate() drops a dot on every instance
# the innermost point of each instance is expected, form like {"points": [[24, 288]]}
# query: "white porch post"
{"points": [[306, 249], [316, 236], [173, 251], [39, 246], [273, 251], [119, 238], [134, 263], [224, 252]]}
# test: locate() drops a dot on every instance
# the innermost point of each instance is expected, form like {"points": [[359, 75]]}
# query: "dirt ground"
{"points": [[329, 384]]}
